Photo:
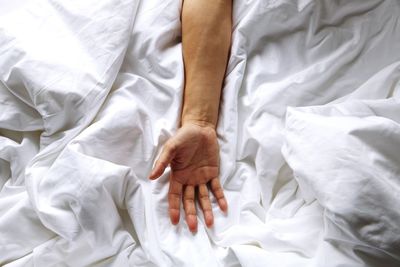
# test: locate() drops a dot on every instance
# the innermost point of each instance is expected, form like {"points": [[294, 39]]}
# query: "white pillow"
{"points": [[347, 157]]}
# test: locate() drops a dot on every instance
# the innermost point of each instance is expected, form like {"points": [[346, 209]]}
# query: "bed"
{"points": [[309, 135]]}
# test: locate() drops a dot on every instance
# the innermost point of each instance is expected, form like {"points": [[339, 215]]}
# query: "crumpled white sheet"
{"points": [[346, 156], [90, 90]]}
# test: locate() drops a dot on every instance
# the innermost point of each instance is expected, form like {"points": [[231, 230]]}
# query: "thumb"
{"points": [[167, 155]]}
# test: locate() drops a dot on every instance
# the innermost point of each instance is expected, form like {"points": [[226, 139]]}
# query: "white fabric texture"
{"points": [[309, 133]]}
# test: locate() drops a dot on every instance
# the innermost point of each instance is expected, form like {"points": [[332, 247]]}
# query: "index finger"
{"points": [[174, 200]]}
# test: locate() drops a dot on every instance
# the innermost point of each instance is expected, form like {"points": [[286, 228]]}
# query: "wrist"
{"points": [[200, 108], [198, 122]]}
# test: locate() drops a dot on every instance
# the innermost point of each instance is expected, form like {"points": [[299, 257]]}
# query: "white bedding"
{"points": [[309, 133]]}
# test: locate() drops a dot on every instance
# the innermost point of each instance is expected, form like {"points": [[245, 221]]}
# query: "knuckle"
{"points": [[220, 196], [170, 147], [173, 196], [189, 201], [204, 198]]}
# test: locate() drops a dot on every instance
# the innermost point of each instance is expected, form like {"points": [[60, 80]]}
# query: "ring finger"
{"points": [[190, 207]]}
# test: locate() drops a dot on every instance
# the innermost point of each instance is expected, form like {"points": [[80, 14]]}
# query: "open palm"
{"points": [[193, 155]]}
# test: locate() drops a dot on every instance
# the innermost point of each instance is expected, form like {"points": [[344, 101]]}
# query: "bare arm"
{"points": [[193, 151], [206, 37]]}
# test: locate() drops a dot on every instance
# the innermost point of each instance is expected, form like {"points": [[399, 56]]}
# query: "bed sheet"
{"points": [[308, 131]]}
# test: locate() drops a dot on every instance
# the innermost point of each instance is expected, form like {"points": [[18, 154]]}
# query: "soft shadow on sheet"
{"points": [[91, 90]]}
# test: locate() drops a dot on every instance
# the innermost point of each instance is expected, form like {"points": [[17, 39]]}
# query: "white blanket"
{"points": [[90, 90]]}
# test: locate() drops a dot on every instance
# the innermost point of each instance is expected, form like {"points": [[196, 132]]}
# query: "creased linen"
{"points": [[308, 132]]}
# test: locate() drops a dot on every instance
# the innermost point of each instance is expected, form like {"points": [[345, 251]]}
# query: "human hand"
{"points": [[193, 154]]}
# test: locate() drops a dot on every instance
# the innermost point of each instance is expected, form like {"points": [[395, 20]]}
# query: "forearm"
{"points": [[206, 37]]}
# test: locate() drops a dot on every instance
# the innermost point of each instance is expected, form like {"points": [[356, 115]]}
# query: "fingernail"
{"points": [[224, 205], [209, 218], [151, 176], [174, 216], [192, 223]]}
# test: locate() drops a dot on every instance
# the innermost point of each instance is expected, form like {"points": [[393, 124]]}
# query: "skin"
{"points": [[193, 152]]}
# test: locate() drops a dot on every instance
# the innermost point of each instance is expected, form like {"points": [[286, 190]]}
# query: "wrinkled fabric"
{"points": [[345, 156], [308, 134]]}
